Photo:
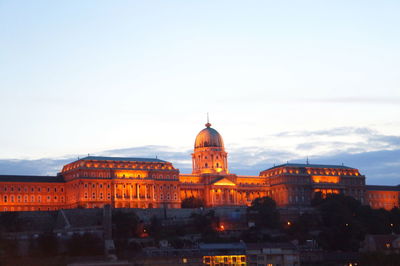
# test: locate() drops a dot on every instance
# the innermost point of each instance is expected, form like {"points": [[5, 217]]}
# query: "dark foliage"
{"points": [[264, 213], [125, 224], [206, 224], [192, 202], [155, 229], [343, 222], [381, 259]]}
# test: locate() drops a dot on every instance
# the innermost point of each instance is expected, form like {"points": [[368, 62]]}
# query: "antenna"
{"points": [[307, 161], [208, 121]]}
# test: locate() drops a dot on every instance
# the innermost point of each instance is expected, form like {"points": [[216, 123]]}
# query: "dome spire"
{"points": [[208, 122]]}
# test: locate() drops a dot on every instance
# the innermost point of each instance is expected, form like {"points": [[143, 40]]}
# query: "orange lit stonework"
{"points": [[93, 182], [385, 197]]}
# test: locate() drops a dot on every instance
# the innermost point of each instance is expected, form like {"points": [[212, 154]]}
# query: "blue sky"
{"points": [[282, 80]]}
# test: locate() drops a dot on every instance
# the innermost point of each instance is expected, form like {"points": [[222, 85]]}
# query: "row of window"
{"points": [[93, 185], [30, 199], [315, 172], [100, 196], [31, 189], [381, 196]]}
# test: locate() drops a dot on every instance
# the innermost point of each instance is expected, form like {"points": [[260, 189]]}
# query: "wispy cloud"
{"points": [[376, 155], [339, 131]]}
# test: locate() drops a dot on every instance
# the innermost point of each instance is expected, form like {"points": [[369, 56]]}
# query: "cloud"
{"points": [[32, 167], [379, 167], [376, 155], [339, 131]]}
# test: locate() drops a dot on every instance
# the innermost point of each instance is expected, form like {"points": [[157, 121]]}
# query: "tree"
{"points": [[206, 224], [192, 202], [264, 213], [155, 229], [125, 224]]}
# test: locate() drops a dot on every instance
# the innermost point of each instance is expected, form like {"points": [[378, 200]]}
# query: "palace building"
{"points": [[95, 181]]}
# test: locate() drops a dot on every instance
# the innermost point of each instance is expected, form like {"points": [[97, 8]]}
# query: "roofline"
{"points": [[310, 166], [382, 188], [122, 159]]}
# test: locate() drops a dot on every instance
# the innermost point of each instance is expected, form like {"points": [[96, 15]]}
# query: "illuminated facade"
{"points": [[95, 181]]}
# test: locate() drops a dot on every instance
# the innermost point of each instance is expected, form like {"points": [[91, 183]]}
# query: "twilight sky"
{"points": [[281, 80]]}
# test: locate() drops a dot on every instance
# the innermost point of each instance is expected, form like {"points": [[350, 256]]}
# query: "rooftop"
{"points": [[122, 159], [385, 188], [224, 246], [300, 165]]}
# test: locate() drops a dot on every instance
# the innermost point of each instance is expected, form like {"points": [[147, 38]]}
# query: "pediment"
{"points": [[223, 182]]}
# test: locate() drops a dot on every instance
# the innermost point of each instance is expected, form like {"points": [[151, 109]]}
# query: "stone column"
{"points": [[138, 191]]}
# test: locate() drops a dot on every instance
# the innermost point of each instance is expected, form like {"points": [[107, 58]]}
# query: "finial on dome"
{"points": [[208, 122]]}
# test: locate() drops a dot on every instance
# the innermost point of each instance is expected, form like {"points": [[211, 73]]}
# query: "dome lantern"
{"points": [[209, 152]]}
